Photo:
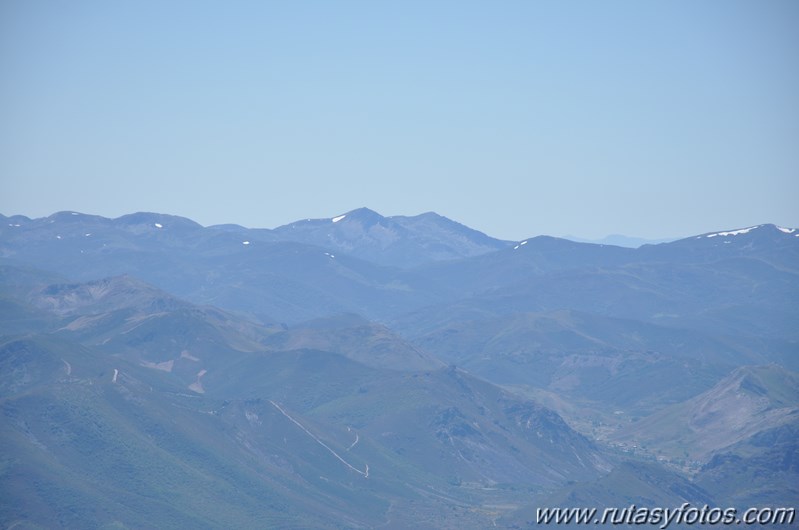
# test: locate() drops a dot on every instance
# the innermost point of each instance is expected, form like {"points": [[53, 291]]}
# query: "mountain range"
{"points": [[368, 371]]}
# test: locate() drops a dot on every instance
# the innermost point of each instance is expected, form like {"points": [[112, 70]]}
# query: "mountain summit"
{"points": [[395, 241]]}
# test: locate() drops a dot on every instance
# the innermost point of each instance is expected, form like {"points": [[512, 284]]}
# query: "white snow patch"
{"points": [[87, 235], [75, 213], [786, 230], [252, 417], [523, 243], [116, 373], [58, 237], [245, 242], [331, 256], [165, 366], [339, 218], [186, 355], [516, 247], [734, 232], [159, 225], [197, 386]]}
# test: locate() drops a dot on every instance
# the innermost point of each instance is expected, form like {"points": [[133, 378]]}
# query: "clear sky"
{"points": [[647, 118]]}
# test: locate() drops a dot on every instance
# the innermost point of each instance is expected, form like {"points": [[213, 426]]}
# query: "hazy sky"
{"points": [[647, 118]]}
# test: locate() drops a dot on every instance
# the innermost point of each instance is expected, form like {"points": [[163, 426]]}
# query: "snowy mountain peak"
{"points": [[764, 228], [733, 232]]}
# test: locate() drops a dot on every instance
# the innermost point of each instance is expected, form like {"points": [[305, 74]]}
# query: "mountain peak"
{"points": [[73, 217], [772, 381], [363, 211], [364, 215], [769, 229], [157, 220]]}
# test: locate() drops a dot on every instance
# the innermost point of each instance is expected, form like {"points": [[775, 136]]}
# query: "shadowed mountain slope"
{"points": [[748, 401], [292, 439], [356, 338]]}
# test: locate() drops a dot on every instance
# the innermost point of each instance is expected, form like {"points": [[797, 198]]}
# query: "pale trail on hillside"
{"points": [[320, 442]]}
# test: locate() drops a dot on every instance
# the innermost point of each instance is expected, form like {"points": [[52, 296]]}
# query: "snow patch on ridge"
{"points": [[339, 218], [734, 232]]}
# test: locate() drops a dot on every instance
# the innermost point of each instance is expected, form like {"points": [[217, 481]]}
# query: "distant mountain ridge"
{"points": [[620, 240], [351, 264], [394, 241], [399, 241], [399, 372]]}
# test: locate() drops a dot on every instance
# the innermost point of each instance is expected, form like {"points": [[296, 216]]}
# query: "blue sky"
{"points": [[647, 118]]}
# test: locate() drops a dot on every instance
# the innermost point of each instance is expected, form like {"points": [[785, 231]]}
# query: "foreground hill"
{"points": [[102, 429], [762, 470], [748, 401]]}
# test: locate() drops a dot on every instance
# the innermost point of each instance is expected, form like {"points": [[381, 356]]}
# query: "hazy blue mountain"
{"points": [[620, 240], [745, 286], [356, 338], [746, 402], [616, 364], [93, 441], [294, 281], [761, 470], [150, 366], [395, 241], [99, 435]]}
